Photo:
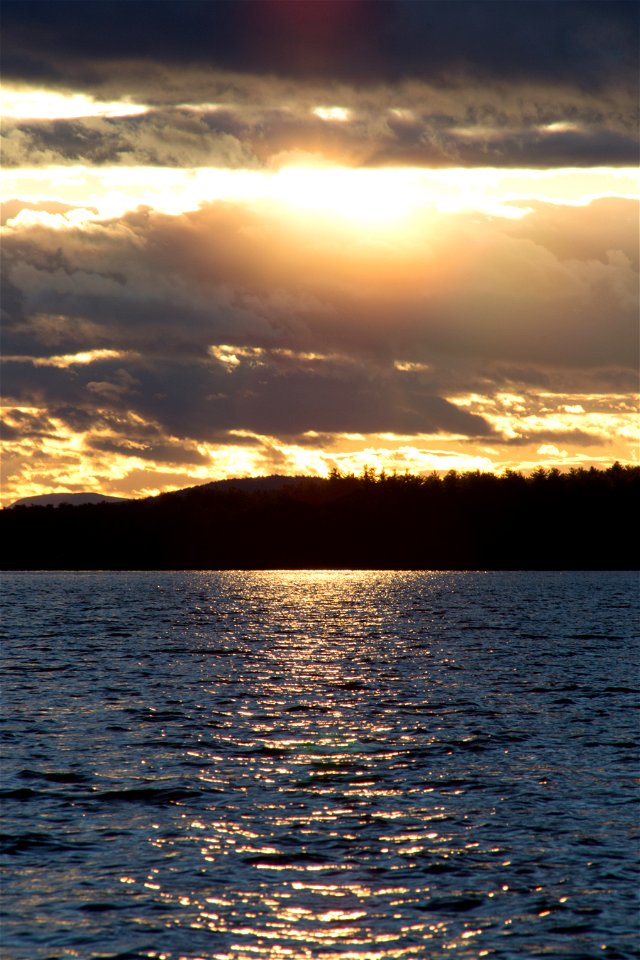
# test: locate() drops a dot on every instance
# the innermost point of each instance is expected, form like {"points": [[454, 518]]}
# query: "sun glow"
{"points": [[341, 114], [362, 197], [64, 360], [368, 196]]}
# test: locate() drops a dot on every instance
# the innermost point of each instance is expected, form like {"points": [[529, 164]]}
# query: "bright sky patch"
{"points": [[30, 104]]}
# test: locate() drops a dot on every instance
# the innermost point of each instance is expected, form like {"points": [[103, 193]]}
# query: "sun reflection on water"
{"points": [[307, 770]]}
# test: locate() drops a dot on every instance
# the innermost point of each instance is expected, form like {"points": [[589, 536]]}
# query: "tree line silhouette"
{"points": [[580, 519]]}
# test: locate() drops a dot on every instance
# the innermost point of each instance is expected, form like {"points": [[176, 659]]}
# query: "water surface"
{"points": [[331, 765]]}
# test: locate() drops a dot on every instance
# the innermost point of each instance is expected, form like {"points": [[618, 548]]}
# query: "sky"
{"points": [[251, 238]]}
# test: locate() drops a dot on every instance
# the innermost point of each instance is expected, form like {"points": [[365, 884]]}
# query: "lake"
{"points": [[331, 765]]}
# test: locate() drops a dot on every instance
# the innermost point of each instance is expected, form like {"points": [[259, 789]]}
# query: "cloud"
{"points": [[227, 319], [226, 274], [27, 424], [590, 43], [588, 233], [577, 438], [205, 402], [11, 208], [388, 83], [413, 124], [177, 138], [178, 453]]}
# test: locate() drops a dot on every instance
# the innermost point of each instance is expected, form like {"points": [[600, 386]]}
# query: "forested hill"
{"points": [[583, 519]]}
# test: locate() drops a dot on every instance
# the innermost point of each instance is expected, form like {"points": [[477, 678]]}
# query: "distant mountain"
{"points": [[74, 499], [248, 484]]}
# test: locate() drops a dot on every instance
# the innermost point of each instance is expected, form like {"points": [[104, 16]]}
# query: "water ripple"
{"points": [[319, 766]]}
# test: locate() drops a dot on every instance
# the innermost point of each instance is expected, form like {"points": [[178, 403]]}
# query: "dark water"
{"points": [[364, 766]]}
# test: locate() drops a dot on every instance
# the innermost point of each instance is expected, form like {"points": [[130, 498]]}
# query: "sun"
{"points": [[363, 196]]}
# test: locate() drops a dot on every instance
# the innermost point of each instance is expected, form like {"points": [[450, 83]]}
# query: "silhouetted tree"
{"points": [[578, 519]]}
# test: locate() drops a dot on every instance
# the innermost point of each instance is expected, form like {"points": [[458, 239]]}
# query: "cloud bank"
{"points": [[212, 321]]}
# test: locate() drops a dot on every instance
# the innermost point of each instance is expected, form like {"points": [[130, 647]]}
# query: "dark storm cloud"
{"points": [[591, 44]]}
